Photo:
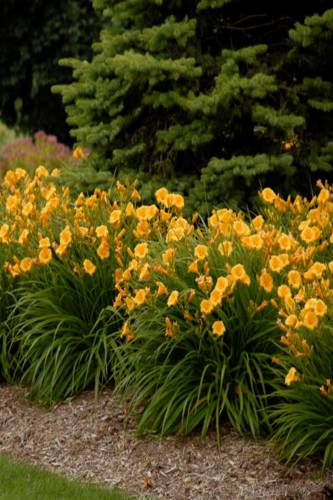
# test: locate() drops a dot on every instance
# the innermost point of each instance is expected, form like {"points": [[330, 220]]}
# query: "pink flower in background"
{"points": [[28, 153]]}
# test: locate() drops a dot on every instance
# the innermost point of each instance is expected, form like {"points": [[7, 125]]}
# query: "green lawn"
{"points": [[23, 482]]}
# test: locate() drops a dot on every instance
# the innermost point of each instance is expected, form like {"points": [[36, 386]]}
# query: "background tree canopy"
{"points": [[34, 35], [213, 96]]}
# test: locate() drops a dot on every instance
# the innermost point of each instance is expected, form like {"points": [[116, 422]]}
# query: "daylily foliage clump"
{"points": [[197, 321]]}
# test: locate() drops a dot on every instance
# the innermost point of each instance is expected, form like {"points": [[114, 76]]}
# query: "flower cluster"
{"points": [[283, 255], [39, 223], [279, 260]]}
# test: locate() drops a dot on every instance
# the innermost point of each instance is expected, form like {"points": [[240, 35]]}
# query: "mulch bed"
{"points": [[95, 440]]}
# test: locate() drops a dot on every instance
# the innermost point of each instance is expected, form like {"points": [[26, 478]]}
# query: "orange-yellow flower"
{"points": [[275, 264], [316, 270], [78, 153], [310, 234], [4, 233], [133, 265], [216, 297], [205, 283], [115, 217], [222, 284], [193, 267], [65, 236], [294, 279], [280, 204], [241, 228], [118, 275], [205, 306], [222, 215], [310, 320], [135, 196], [175, 233], [103, 251], [53, 203], [130, 304], [218, 328], [258, 222], [206, 269], [129, 210], [102, 231], [47, 192], [146, 212], [23, 238], [201, 252], [45, 255], [89, 267], [20, 173], [284, 258], [175, 200], [44, 243], [254, 241], [12, 203], [285, 242], [55, 172], [140, 297], [278, 262], [318, 306], [291, 376], [225, 248], [173, 298], [239, 274], [323, 196], [127, 332], [291, 320], [161, 196], [300, 296], [162, 289], [26, 264], [41, 171], [127, 275], [266, 281], [268, 195], [289, 303], [171, 327], [14, 270], [178, 229], [27, 209], [283, 291], [141, 250], [165, 216], [168, 255], [61, 249], [142, 229]]}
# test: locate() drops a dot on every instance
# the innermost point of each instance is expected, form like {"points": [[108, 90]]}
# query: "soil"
{"points": [[95, 440]]}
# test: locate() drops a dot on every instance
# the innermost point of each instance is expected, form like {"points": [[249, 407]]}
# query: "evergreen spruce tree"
{"points": [[220, 91]]}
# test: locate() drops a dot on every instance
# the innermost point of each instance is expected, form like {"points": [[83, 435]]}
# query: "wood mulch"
{"points": [[95, 440]]}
